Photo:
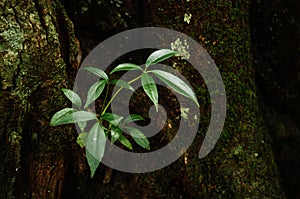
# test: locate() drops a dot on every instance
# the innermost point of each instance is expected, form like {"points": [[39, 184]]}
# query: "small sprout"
{"points": [[109, 125]]}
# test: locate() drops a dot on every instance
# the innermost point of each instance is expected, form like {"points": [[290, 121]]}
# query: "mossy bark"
{"points": [[37, 52], [242, 163]]}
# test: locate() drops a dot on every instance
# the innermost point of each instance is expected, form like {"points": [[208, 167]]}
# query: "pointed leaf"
{"points": [[150, 89], [96, 71], [176, 84], [116, 132], [94, 92], [123, 140], [63, 116], [81, 139], [159, 56], [122, 84], [82, 116], [72, 96], [127, 67], [95, 147], [112, 118], [133, 118], [139, 137]]}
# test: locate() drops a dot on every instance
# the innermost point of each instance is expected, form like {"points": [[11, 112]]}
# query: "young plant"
{"points": [[109, 125]]}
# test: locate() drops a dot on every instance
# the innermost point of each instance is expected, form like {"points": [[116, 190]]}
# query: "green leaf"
{"points": [[63, 116], [122, 84], [139, 137], [81, 139], [116, 132], [82, 116], [94, 92], [127, 67], [159, 56], [96, 71], [72, 96], [176, 84], [112, 118], [82, 125], [70, 115], [123, 140], [133, 118], [95, 147], [150, 89]]}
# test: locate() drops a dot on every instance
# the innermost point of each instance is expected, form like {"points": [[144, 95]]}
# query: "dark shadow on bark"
{"points": [[275, 34]]}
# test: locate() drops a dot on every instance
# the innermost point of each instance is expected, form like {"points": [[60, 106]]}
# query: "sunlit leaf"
{"points": [[176, 84], [72, 96], [126, 67], [150, 89], [133, 118], [94, 92], [112, 118], [96, 71], [81, 139], [63, 116], [95, 147], [123, 140], [159, 56], [139, 137], [122, 84]]}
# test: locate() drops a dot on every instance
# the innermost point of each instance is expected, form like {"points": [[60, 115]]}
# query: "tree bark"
{"points": [[38, 51], [38, 58], [242, 164]]}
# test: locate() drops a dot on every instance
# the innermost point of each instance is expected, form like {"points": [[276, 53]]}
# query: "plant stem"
{"points": [[105, 98], [117, 92]]}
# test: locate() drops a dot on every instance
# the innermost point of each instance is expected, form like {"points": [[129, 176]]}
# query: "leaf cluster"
{"points": [[110, 126]]}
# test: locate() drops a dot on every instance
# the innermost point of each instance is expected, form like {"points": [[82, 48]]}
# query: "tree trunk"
{"points": [[38, 51], [38, 58]]}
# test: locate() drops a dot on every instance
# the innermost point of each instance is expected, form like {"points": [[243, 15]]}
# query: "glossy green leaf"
{"points": [[123, 140], [133, 118], [126, 67], [70, 115], [72, 96], [82, 116], [81, 139], [63, 116], [139, 137], [150, 89], [159, 55], [122, 84], [176, 84], [95, 147], [116, 132], [94, 92], [96, 71], [112, 118]]}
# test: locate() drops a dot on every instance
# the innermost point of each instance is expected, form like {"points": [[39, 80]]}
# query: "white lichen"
{"points": [[187, 17], [182, 48]]}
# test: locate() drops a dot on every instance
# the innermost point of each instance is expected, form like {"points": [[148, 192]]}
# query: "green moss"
{"points": [[242, 164], [32, 73]]}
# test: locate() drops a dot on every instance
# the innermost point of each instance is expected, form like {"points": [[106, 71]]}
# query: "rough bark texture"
{"points": [[37, 50], [37, 54], [242, 164]]}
